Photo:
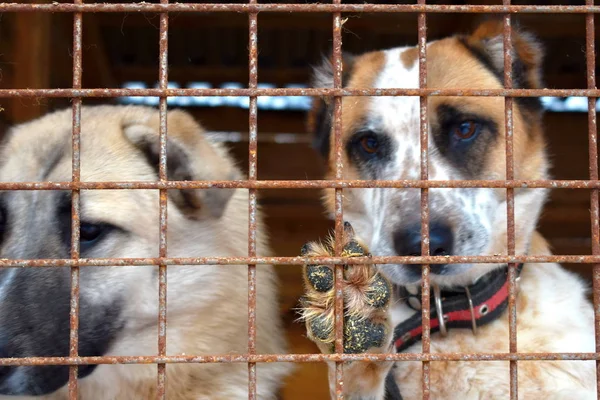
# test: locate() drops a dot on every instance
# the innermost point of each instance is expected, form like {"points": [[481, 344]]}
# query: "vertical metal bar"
{"points": [[424, 132], [252, 176], [593, 165], [163, 78], [75, 204], [339, 216], [510, 203]]}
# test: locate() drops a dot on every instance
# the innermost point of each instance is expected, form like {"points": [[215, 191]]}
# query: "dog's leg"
{"points": [[367, 327]]}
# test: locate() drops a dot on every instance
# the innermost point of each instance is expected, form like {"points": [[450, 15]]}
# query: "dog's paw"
{"points": [[366, 294]]}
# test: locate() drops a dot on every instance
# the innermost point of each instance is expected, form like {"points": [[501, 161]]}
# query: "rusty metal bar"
{"points": [[298, 358], [593, 165], [116, 262], [304, 8], [75, 204], [424, 143], [75, 211], [163, 78], [108, 262], [299, 184], [510, 204], [252, 176], [332, 92], [339, 212]]}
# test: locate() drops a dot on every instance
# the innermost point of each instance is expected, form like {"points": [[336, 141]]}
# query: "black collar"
{"points": [[466, 307]]}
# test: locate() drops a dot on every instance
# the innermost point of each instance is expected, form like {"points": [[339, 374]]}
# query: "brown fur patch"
{"points": [[451, 65], [527, 50], [409, 57]]}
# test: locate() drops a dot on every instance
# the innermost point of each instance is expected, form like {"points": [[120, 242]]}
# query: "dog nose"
{"points": [[407, 242]]}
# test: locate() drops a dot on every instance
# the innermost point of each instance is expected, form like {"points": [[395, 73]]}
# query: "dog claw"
{"points": [[305, 249], [348, 229]]}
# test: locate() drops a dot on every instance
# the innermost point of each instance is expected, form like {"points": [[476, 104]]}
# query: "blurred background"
{"points": [[211, 50]]}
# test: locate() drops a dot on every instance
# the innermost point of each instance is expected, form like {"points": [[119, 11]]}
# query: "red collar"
{"points": [[468, 307]]}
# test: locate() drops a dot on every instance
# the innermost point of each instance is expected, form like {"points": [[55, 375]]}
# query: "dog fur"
{"points": [[207, 304], [553, 312]]}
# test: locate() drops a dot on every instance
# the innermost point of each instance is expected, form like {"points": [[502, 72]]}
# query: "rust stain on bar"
{"points": [[252, 176], [303, 184], [339, 207], [424, 143], [336, 7], [297, 358], [199, 261], [163, 78], [593, 166], [75, 203], [332, 92], [510, 202]]}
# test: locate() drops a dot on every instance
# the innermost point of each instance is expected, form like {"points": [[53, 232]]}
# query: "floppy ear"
{"points": [[320, 116], [190, 156], [487, 43]]}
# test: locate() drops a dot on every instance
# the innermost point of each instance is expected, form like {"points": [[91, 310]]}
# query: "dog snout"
{"points": [[407, 242]]}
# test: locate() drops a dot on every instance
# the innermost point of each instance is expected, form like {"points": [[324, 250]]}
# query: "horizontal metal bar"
{"points": [[304, 184], [322, 8], [102, 93], [299, 358], [107, 262]]}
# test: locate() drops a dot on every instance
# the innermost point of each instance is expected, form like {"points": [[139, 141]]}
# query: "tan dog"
{"points": [[466, 141], [207, 305]]}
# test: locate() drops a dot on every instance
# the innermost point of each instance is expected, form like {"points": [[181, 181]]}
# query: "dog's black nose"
{"points": [[407, 242]]}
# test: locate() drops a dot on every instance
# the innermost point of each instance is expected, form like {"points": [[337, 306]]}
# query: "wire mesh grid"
{"points": [[252, 8]]}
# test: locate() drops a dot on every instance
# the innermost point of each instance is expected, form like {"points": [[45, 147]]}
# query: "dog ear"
{"points": [[190, 156], [487, 43], [321, 114]]}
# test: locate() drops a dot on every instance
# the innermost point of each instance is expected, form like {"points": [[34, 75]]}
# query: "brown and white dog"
{"points": [[207, 304], [466, 141]]}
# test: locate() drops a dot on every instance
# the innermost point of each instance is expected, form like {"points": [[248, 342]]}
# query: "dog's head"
{"points": [[381, 141], [117, 144]]}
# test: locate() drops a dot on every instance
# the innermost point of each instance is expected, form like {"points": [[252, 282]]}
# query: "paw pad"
{"points": [[353, 249], [320, 277], [379, 293], [361, 334], [321, 328]]}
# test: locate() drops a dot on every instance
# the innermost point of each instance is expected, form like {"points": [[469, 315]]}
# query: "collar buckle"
{"points": [[438, 308], [472, 311]]}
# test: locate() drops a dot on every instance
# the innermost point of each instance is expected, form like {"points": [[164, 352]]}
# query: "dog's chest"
{"points": [[565, 332]]}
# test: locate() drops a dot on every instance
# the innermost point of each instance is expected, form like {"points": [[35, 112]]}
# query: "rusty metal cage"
{"points": [[76, 93]]}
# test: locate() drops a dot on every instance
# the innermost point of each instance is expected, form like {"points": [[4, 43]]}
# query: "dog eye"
{"points": [[369, 144], [90, 233], [466, 130]]}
